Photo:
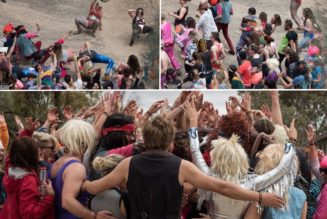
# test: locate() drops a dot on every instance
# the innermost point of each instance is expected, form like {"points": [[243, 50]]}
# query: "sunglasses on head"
{"points": [[323, 170]]}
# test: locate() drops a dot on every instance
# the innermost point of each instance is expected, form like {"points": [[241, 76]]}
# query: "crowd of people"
{"points": [[29, 65], [176, 160], [260, 61]]}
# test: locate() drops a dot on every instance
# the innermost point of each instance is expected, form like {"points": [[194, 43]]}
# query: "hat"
{"points": [[323, 162], [203, 6], [8, 28]]}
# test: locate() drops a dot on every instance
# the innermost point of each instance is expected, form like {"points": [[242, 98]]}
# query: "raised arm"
{"points": [[12, 48], [92, 6], [132, 13], [190, 173], [115, 178], [276, 112]]}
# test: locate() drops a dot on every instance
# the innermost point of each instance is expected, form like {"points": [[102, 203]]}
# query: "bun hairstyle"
{"points": [[107, 164]]}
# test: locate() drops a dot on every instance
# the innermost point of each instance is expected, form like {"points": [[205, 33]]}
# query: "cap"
{"points": [[313, 51]]}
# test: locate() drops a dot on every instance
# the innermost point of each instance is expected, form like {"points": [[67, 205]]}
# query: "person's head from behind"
{"points": [[308, 14], [236, 123], [231, 72], [242, 54], [171, 74], [163, 19], [118, 130], [68, 79], [159, 134], [252, 11], [293, 57], [263, 16], [202, 46], [98, 7], [129, 77], [215, 37], [57, 49], [105, 165], [47, 144], [190, 22], [276, 20], [134, 63], [268, 159], [288, 24], [181, 145], [228, 158], [77, 136], [192, 35], [24, 153], [197, 57], [195, 74]]}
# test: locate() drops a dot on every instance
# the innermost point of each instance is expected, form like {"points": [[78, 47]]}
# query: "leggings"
{"points": [[98, 58], [224, 27]]}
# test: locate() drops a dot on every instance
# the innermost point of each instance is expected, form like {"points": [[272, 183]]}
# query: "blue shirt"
{"points": [[296, 200], [315, 73], [226, 10]]}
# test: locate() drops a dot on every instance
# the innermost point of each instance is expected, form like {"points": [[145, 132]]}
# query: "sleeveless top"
{"points": [[182, 20], [153, 186], [58, 185], [138, 21], [218, 54]]}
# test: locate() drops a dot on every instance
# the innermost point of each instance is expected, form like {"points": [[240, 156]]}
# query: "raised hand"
{"points": [[52, 116], [131, 108], [266, 111], [155, 107], [246, 102], [2, 119], [68, 114], [191, 112], [291, 131], [311, 134]]}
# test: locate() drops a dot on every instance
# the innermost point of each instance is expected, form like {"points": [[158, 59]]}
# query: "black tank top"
{"points": [[181, 21], [153, 186]]}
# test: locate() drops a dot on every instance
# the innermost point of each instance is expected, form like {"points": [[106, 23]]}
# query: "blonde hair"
{"points": [[45, 140], [280, 135], [269, 158], [272, 64], [77, 136], [107, 164], [228, 159]]}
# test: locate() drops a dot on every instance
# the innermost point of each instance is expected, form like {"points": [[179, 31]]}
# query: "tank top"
{"points": [[58, 185], [218, 54], [182, 20], [153, 186]]}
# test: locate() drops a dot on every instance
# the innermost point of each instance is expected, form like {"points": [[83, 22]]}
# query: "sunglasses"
{"points": [[323, 170]]}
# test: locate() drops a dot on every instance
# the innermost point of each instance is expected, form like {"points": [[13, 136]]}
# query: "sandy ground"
{"points": [[271, 7], [56, 17]]}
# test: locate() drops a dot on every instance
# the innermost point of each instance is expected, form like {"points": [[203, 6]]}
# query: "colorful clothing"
{"points": [[207, 24], [168, 39]]}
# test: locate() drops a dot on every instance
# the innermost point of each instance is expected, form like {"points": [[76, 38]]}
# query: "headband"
{"points": [[124, 128]]}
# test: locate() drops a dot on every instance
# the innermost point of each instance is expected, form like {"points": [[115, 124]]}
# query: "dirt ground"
{"points": [[271, 7], [57, 17]]}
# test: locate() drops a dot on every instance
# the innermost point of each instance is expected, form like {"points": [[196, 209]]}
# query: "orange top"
{"points": [[4, 135]]}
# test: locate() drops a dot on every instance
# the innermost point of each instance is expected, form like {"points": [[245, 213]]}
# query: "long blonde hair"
{"points": [[228, 159]]}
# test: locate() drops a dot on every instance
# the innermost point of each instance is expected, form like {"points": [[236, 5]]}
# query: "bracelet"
{"points": [[260, 198], [106, 114]]}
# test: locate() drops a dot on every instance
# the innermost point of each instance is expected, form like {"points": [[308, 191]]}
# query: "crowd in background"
{"points": [[119, 161]]}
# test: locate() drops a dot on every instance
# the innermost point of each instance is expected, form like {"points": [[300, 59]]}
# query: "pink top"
{"points": [[184, 38], [321, 210], [31, 35], [166, 33], [125, 151]]}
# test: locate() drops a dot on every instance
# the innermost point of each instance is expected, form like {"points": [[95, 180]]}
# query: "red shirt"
{"points": [[245, 70]]}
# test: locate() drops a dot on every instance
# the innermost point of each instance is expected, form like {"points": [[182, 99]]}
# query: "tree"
{"points": [[304, 106]]}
